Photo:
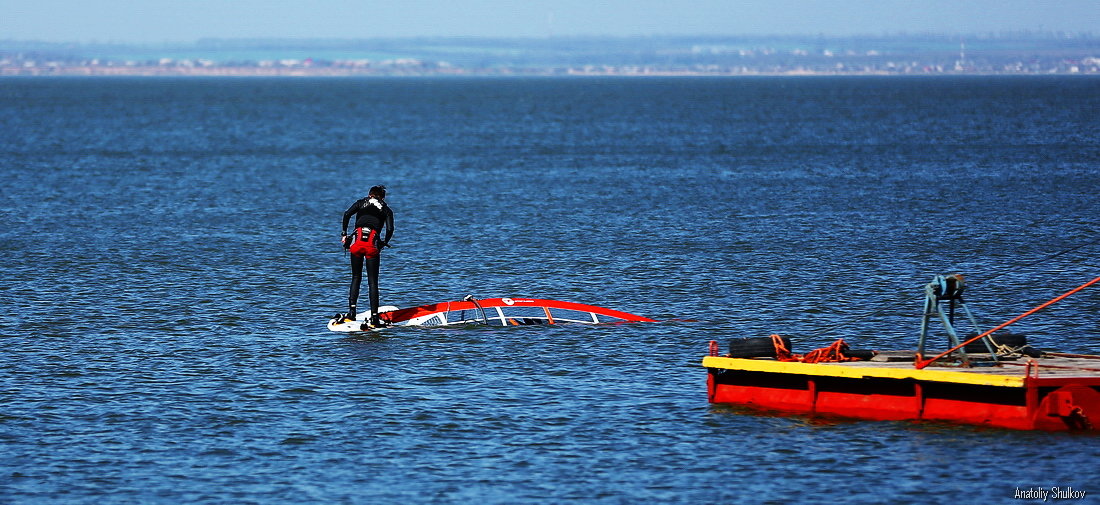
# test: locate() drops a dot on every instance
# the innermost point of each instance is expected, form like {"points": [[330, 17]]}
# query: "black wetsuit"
{"points": [[367, 216]]}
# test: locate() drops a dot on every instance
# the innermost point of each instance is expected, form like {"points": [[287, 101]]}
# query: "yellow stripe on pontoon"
{"points": [[861, 371]]}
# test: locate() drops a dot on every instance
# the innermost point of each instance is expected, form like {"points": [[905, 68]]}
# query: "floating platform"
{"points": [[1056, 392]]}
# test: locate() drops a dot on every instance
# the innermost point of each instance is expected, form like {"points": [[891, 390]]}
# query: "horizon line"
{"points": [[1047, 34]]}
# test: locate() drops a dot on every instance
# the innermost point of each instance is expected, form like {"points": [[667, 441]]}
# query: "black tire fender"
{"points": [[755, 347]]}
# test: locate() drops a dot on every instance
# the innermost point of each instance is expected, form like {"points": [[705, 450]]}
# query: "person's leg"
{"points": [[356, 281], [372, 286]]}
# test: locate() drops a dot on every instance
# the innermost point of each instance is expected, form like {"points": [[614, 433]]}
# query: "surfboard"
{"points": [[339, 323]]}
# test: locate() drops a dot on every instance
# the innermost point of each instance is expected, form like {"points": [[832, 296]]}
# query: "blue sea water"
{"points": [[170, 256]]}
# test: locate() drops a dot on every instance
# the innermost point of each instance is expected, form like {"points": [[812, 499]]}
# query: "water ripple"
{"points": [[170, 263]]}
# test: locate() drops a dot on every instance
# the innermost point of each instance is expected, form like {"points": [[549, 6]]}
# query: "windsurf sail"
{"points": [[506, 312]]}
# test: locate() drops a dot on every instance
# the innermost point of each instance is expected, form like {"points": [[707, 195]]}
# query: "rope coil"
{"points": [[834, 353]]}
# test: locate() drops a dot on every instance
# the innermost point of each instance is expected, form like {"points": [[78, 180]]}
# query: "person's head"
{"points": [[378, 192]]}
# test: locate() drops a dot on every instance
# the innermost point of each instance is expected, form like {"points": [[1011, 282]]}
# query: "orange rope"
{"points": [[921, 363], [832, 354], [781, 351]]}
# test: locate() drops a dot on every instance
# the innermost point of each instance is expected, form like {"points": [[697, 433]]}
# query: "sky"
{"points": [[153, 21]]}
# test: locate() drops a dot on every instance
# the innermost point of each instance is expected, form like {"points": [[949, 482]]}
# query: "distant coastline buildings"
{"points": [[1006, 54], [21, 65]]}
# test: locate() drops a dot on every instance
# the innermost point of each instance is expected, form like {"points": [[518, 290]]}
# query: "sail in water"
{"points": [[499, 312]]}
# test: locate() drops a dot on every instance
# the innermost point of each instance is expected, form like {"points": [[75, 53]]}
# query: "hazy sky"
{"points": [[188, 20]]}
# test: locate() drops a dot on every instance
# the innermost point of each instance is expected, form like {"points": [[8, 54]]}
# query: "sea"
{"points": [[171, 254]]}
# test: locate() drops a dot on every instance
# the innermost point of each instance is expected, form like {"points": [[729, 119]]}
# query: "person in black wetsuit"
{"points": [[365, 244]]}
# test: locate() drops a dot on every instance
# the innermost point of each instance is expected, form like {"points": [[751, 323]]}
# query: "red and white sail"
{"points": [[506, 312]]}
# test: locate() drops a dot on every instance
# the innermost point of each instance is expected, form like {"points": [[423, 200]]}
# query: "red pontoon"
{"points": [[979, 380]]}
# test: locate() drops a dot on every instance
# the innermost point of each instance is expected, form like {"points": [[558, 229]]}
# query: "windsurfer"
{"points": [[372, 214]]}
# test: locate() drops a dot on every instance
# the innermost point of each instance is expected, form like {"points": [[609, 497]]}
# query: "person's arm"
{"points": [[347, 217], [389, 226]]}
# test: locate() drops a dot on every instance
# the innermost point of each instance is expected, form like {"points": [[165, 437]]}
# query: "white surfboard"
{"points": [[360, 322]]}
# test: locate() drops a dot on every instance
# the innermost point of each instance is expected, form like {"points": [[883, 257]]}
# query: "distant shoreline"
{"points": [[724, 56], [237, 72]]}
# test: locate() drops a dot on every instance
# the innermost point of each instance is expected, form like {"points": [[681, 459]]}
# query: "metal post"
{"points": [[938, 291], [974, 321], [928, 301]]}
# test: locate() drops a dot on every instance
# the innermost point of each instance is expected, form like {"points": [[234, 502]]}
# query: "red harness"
{"points": [[366, 247]]}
